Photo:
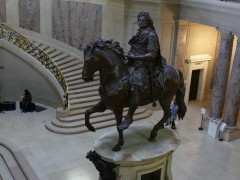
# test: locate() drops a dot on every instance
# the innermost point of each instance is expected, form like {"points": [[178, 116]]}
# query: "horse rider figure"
{"points": [[145, 57]]}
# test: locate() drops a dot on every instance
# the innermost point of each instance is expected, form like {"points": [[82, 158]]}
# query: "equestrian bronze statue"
{"points": [[139, 78]]}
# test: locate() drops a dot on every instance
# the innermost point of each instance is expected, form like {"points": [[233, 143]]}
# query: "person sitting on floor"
{"points": [[26, 101]]}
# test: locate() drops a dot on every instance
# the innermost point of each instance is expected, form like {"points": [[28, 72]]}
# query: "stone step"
{"points": [[67, 60], [60, 57], [49, 50], [83, 90], [73, 68], [78, 72], [83, 83], [83, 105], [80, 81], [73, 73], [43, 46], [80, 111], [82, 95], [76, 130], [68, 64], [55, 54], [81, 117], [73, 78], [93, 120], [84, 100], [77, 79]]}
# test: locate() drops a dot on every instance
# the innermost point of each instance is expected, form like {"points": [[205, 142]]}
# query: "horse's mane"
{"points": [[108, 44]]}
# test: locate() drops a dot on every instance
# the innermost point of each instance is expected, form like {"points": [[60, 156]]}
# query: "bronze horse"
{"points": [[107, 57]]}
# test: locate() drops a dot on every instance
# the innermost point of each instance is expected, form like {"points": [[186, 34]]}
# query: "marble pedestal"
{"points": [[231, 135], [62, 113], [139, 157]]}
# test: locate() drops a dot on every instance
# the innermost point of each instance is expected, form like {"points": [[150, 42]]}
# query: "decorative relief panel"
{"points": [[29, 14], [2, 10], [76, 23]]}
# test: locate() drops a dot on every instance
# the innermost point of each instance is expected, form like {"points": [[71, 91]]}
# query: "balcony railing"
{"points": [[32, 49]]}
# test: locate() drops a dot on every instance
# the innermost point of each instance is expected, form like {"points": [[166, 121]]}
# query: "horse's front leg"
{"points": [[134, 102], [118, 116], [99, 107], [160, 124]]}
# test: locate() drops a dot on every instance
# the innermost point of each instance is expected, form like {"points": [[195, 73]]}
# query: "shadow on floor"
{"points": [[39, 108]]}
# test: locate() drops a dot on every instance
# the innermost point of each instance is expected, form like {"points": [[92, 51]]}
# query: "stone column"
{"points": [[175, 42], [181, 43], [221, 75], [233, 91]]}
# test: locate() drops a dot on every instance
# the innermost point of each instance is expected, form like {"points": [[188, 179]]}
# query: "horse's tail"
{"points": [[182, 109]]}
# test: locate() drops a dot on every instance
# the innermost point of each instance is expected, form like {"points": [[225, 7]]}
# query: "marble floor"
{"points": [[62, 157]]}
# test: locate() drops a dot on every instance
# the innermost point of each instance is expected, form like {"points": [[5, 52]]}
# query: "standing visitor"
{"points": [[174, 111]]}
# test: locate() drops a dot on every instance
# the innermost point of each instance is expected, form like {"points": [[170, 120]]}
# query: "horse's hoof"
{"points": [[152, 139], [161, 126], [124, 125], [152, 136], [116, 148], [90, 127]]}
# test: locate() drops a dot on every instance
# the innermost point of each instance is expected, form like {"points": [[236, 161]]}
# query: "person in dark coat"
{"points": [[174, 111], [26, 101]]}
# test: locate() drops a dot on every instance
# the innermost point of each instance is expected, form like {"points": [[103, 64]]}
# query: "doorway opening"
{"points": [[194, 85]]}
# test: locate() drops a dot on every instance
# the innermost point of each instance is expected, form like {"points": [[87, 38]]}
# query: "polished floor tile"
{"points": [[62, 157]]}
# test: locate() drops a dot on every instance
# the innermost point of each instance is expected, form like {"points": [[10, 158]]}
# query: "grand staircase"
{"points": [[81, 95]]}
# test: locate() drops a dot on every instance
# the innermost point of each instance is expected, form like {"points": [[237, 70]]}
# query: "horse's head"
{"points": [[102, 55], [90, 65]]}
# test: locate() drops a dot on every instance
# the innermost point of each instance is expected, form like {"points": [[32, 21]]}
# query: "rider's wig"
{"points": [[149, 19]]}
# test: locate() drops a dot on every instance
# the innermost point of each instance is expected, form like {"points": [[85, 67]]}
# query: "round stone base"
{"points": [[139, 158]]}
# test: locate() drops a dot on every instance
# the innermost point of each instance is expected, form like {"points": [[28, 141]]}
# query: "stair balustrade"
{"points": [[32, 49]]}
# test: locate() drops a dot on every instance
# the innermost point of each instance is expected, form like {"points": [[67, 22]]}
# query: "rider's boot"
{"points": [[134, 102]]}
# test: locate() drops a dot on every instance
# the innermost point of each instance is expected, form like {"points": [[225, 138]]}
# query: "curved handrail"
{"points": [[16, 160], [32, 49]]}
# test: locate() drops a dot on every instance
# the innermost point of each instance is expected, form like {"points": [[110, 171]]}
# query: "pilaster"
{"points": [[175, 41], [222, 71], [233, 91], [12, 13]]}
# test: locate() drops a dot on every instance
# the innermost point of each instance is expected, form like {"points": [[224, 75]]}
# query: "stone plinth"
{"points": [[139, 157], [62, 113], [231, 135]]}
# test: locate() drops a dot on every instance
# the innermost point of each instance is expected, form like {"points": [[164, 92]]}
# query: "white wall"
{"points": [[18, 74], [202, 39]]}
